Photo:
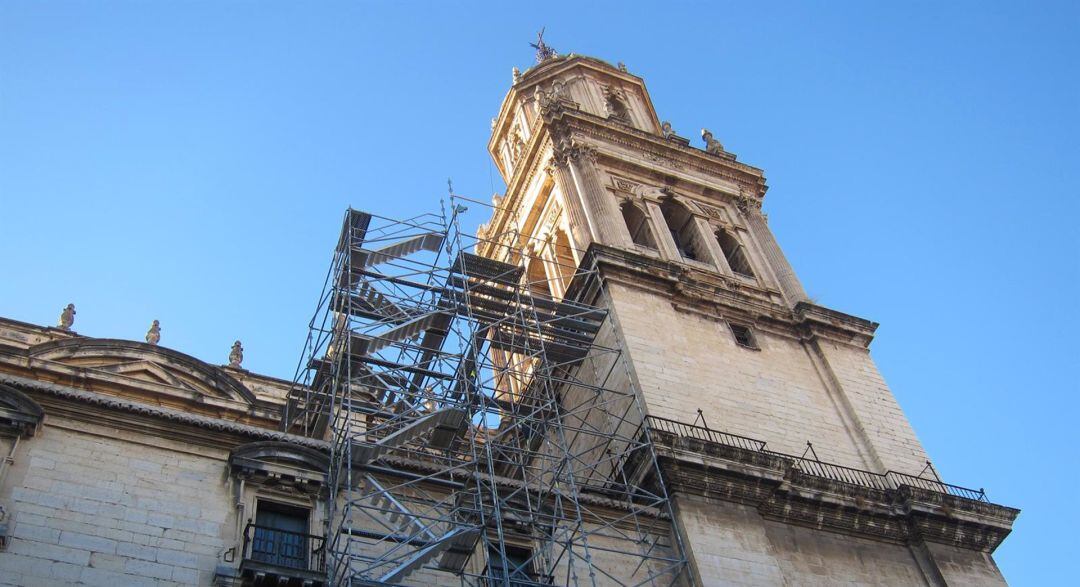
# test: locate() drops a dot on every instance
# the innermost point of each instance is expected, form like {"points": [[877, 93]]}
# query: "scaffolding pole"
{"points": [[483, 425]]}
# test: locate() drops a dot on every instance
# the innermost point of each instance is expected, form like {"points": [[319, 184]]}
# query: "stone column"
{"points": [[789, 284], [599, 205], [712, 248], [581, 229], [668, 250]]}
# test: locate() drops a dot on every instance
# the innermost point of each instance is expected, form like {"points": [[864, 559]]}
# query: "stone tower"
{"points": [[787, 456]]}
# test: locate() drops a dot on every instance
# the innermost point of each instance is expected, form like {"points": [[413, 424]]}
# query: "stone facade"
{"points": [[785, 455], [727, 350]]}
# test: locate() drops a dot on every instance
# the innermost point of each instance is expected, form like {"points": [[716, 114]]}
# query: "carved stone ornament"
{"points": [[747, 204], [517, 144], [153, 336], [625, 185], [712, 212], [671, 163], [665, 130], [712, 145], [236, 355], [517, 75], [622, 67], [615, 104], [67, 318]]}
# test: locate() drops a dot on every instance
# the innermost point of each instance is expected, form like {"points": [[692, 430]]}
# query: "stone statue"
{"points": [[67, 318], [665, 129], [622, 67], [236, 355], [711, 145], [153, 336], [517, 75]]}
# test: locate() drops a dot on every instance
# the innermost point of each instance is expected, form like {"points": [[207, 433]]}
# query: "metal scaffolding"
{"points": [[483, 423]]}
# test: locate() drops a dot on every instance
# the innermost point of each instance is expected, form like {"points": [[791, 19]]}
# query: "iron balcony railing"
{"points": [[665, 425], [901, 479], [813, 466], [283, 548]]}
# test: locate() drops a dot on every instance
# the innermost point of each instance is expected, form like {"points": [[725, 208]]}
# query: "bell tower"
{"points": [[786, 454]]}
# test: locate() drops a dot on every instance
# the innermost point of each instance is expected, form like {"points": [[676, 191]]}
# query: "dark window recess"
{"points": [[734, 252], [281, 535], [517, 565], [680, 223], [744, 336]]}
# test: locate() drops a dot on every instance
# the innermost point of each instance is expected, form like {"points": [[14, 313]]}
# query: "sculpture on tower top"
{"points": [[711, 145], [543, 50], [236, 355], [67, 318], [153, 336]]}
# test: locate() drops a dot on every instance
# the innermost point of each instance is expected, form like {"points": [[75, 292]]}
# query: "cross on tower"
{"points": [[543, 51]]}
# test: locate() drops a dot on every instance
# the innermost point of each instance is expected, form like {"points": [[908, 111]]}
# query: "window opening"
{"points": [[734, 252], [281, 535], [744, 336], [638, 225]]}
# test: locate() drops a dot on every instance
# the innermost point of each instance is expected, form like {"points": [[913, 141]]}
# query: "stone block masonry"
{"points": [[92, 509]]}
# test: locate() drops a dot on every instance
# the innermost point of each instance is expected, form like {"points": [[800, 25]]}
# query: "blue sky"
{"points": [[190, 161]]}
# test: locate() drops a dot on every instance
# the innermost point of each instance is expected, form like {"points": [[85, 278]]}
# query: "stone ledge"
{"points": [[783, 493]]}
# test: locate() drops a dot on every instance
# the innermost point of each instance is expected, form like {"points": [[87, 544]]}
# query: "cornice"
{"points": [[667, 153], [783, 493], [48, 395]]}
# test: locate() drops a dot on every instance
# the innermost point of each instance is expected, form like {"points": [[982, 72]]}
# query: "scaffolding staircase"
{"points": [[441, 453]]}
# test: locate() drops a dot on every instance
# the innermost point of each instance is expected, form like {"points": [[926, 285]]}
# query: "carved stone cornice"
{"points": [[818, 321], [63, 400], [751, 180], [19, 414], [780, 492]]}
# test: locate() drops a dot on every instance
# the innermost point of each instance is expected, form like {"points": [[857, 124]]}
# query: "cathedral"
{"points": [[617, 380]]}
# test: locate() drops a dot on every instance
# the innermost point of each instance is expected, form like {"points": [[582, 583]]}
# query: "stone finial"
{"points": [[517, 75], [236, 355], [665, 129], [711, 145], [153, 336], [622, 67], [67, 318]]}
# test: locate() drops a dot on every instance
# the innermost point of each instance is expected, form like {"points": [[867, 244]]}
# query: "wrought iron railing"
{"points": [[665, 425], [901, 479], [813, 466], [839, 473], [283, 548]]}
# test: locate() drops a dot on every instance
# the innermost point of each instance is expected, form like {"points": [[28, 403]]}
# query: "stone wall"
{"points": [[98, 506], [685, 360], [732, 544]]}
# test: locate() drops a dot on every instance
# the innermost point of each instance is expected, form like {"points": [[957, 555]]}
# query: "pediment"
{"points": [[19, 414], [281, 465], [135, 363]]}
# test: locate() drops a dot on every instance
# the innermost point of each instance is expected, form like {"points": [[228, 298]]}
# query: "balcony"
{"points": [[273, 556], [805, 491]]}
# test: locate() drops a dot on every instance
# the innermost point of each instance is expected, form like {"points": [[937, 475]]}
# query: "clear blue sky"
{"points": [[190, 161]]}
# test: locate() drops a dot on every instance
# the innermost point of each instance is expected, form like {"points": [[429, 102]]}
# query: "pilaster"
{"points": [[788, 282], [600, 208]]}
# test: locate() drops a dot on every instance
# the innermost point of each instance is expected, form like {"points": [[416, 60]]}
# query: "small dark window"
{"points": [[517, 565], [744, 337]]}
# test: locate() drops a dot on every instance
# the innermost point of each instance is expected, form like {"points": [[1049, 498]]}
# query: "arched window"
{"points": [[564, 258], [680, 223], [638, 225], [734, 252], [536, 277]]}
